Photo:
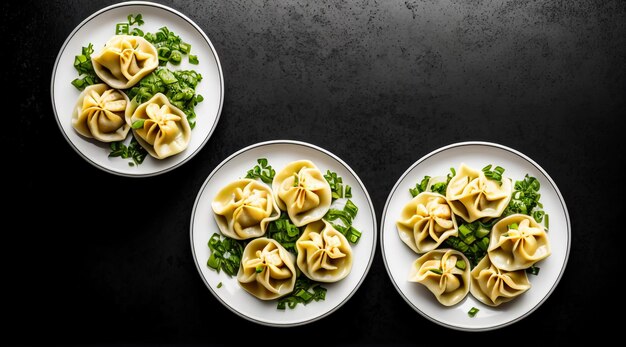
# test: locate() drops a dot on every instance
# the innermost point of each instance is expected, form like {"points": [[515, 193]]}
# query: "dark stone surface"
{"points": [[380, 84]]}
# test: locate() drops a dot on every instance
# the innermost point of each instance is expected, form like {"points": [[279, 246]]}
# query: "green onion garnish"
{"points": [[193, 59], [82, 64], [513, 226], [420, 187], [495, 175], [472, 240], [138, 124], [285, 232], [121, 28], [547, 221], [134, 151], [437, 271], [336, 185], [533, 270], [259, 269], [304, 292], [262, 171], [296, 180], [225, 254], [472, 312], [219, 285], [461, 264]]}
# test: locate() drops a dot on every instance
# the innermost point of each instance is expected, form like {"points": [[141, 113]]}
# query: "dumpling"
{"points": [[445, 272], [493, 286], [165, 129], [244, 208], [473, 196], [267, 269], [302, 191], [125, 60], [517, 242], [426, 221], [99, 113], [324, 254]]}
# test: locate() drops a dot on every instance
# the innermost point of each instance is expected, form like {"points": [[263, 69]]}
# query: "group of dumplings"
{"points": [[243, 210], [516, 243], [104, 112]]}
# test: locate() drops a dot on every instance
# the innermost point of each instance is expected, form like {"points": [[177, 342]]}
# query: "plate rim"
{"points": [[298, 143], [174, 12], [507, 149]]}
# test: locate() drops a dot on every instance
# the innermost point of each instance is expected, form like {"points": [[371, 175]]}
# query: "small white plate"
{"points": [[97, 29], [398, 257], [279, 154]]}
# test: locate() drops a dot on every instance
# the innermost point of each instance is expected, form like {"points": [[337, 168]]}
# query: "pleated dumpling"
{"points": [[426, 221], [324, 254], [125, 60], [517, 242], [267, 269], [99, 113], [473, 196], [493, 286], [165, 130], [445, 272], [302, 191], [244, 208]]}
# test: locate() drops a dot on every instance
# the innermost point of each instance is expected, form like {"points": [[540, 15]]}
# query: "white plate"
{"points": [[279, 154], [398, 257], [97, 29]]}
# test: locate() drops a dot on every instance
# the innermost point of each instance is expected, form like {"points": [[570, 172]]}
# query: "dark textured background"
{"points": [[380, 84]]}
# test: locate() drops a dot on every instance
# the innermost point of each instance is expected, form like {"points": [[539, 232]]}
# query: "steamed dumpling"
{"points": [[514, 248], [445, 272], [473, 196], [244, 208], [165, 131], [493, 286], [99, 113], [426, 222], [324, 254], [302, 191], [267, 269], [125, 60]]}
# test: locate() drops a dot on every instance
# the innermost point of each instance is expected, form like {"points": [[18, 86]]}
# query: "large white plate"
{"points": [[398, 257], [97, 29], [279, 154]]}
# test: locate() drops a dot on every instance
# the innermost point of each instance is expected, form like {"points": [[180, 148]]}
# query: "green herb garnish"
{"points": [[420, 187], [346, 216], [225, 254], [133, 151], [170, 47], [138, 124], [495, 174], [533, 270], [304, 292], [219, 285], [178, 86], [525, 199], [263, 171], [259, 269], [82, 64], [472, 240], [284, 232], [437, 271], [460, 264], [336, 186], [472, 312]]}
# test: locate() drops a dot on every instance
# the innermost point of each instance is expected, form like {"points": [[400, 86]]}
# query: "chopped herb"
{"points": [[472, 312], [219, 285], [336, 186], [170, 46], [346, 216], [441, 187], [461, 264], [437, 271], [296, 180], [305, 291], [547, 221], [495, 174], [133, 151], [137, 19], [259, 269], [178, 86], [193, 59], [225, 254], [533, 270], [138, 124], [472, 240], [82, 64], [284, 232], [525, 199], [420, 187], [513, 226], [263, 171]]}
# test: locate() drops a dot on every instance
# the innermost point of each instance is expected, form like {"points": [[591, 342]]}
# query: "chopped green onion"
{"points": [[461, 264], [304, 292], [259, 269], [348, 192], [219, 285], [193, 59], [263, 171], [513, 226], [225, 254], [296, 180], [472, 312], [138, 124], [533, 270], [437, 271], [481, 231], [121, 28], [439, 188], [175, 57], [134, 151], [547, 221], [185, 47], [495, 175], [284, 232], [465, 230], [420, 187], [336, 185]]}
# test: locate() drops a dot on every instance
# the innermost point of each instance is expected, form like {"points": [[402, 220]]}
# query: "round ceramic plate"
{"points": [[279, 154], [97, 29], [398, 256]]}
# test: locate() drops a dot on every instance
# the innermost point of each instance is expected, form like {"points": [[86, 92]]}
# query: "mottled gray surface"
{"points": [[380, 84]]}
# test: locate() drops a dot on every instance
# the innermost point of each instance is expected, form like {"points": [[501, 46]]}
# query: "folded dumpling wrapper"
{"points": [[493, 286], [473, 196], [302, 191], [125, 60], [99, 113], [244, 208], [426, 221], [165, 130], [438, 271], [324, 254], [267, 269], [517, 242]]}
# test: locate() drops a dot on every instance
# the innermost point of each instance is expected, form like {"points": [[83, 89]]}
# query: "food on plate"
{"points": [[445, 272], [244, 208], [125, 60], [426, 221], [99, 113], [493, 286], [518, 242], [267, 269], [160, 127], [473, 196], [324, 254], [302, 191]]}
